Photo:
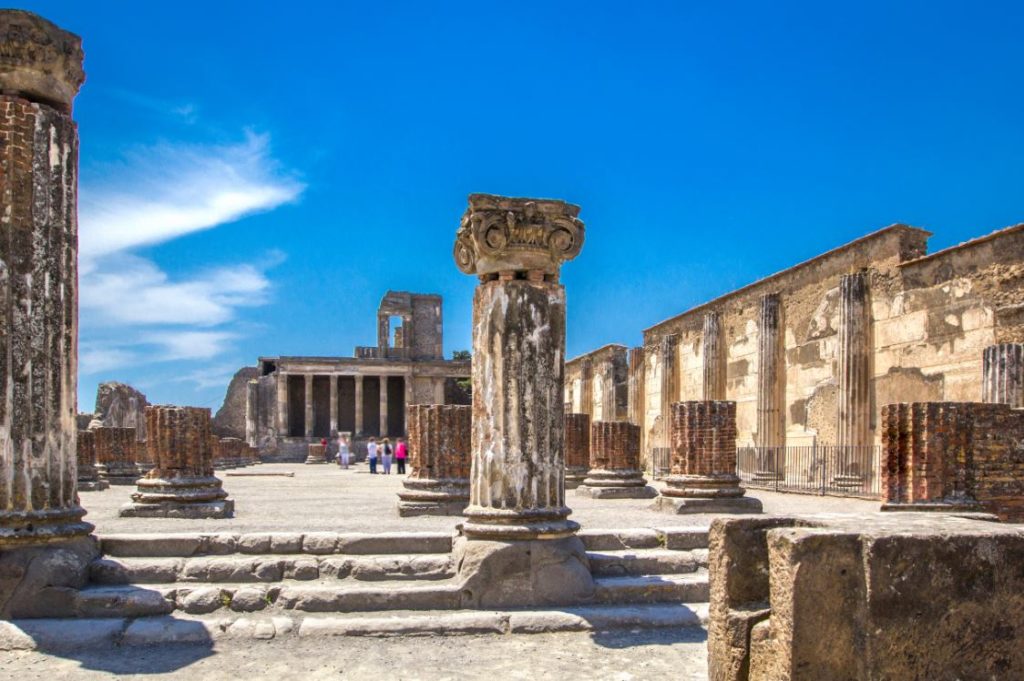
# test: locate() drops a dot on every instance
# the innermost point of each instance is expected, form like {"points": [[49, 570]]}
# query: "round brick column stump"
{"points": [[115, 454], [182, 484], [615, 463], [89, 479], [703, 470], [229, 452], [439, 460], [316, 453], [577, 449]]}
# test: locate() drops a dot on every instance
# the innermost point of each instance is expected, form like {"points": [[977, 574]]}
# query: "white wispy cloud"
{"points": [[133, 312]]}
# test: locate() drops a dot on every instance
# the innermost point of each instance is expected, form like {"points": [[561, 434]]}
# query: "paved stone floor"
{"points": [[325, 498], [657, 654]]}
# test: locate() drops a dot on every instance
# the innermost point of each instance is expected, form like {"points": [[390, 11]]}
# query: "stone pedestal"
{"points": [[439, 460], [703, 475], [89, 479], [317, 453], [228, 452], [520, 547], [44, 543], [577, 449], [115, 455], [615, 463], [182, 484]]}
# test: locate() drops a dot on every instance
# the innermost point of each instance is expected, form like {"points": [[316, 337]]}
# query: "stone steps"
{"points": [[349, 595], [274, 543], [54, 635]]}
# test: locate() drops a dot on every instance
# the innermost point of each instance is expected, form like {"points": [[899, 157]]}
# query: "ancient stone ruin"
{"points": [[119, 405], [703, 475], [519, 546], [317, 453], [89, 478], [439, 460], [577, 449], [115, 454], [182, 484], [615, 463]]}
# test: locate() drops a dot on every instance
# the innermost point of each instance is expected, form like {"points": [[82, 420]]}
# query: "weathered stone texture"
{"points": [[440, 442], [182, 483], [713, 353], [854, 413], [230, 420], [115, 454], [615, 471], [577, 448], [865, 598], [770, 373], [1003, 374], [88, 474], [119, 405], [40, 66], [949, 455]]}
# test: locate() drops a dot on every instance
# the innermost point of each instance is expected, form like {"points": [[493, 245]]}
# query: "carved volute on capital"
{"points": [[38, 60], [503, 234]]}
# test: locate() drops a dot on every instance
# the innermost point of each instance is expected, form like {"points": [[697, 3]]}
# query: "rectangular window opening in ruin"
{"points": [[397, 330], [346, 403], [371, 405], [396, 406], [296, 405], [321, 406]]}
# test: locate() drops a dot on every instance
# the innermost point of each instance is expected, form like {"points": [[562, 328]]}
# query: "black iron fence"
{"points": [[852, 471], [661, 462]]}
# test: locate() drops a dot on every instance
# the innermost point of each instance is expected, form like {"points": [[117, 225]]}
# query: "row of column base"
{"points": [[423, 496], [193, 497]]}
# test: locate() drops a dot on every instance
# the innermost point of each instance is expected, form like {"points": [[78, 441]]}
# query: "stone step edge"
{"points": [[51, 635], [188, 545]]}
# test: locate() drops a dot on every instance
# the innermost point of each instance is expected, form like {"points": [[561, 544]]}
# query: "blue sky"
{"points": [[254, 176]]}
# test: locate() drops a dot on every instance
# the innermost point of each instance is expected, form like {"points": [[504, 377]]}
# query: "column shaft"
{"points": [[714, 358], [282, 404], [251, 411], [359, 405], [334, 404], [384, 406], [308, 379], [770, 415], [854, 399], [637, 382], [1003, 374], [587, 388]]}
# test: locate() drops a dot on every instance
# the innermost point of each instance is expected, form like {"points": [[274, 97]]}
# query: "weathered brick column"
{"points": [[522, 546], [89, 478], [143, 461], [577, 449], [182, 484], [703, 475], [615, 463], [44, 544], [316, 453], [440, 441], [1003, 374], [228, 452], [115, 454]]}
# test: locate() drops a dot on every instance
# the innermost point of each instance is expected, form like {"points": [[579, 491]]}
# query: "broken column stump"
{"points": [[439, 459], [115, 454], [703, 467], [316, 453], [519, 546], [89, 479], [45, 545], [182, 484], [229, 452], [577, 449], [615, 463]]}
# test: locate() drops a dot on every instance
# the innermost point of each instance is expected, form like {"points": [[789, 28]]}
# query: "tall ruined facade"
{"points": [[811, 354]]}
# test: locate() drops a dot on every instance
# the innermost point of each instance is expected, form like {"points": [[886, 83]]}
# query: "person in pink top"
{"points": [[401, 453]]}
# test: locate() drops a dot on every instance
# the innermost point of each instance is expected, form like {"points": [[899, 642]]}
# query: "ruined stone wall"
{"points": [[608, 383], [230, 418], [926, 322], [427, 333], [119, 405]]}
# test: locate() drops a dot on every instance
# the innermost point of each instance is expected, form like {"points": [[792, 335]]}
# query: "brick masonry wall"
{"points": [[86, 448], [955, 452], [577, 441], [614, 446], [115, 445], [703, 438], [179, 441], [440, 442]]}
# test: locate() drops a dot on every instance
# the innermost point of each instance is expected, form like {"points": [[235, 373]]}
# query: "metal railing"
{"points": [[660, 462], [850, 471]]}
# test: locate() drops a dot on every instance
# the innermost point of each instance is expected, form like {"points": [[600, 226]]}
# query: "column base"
{"points": [[42, 527], [934, 507], [225, 508], [502, 574], [119, 473], [644, 492], [625, 484], [685, 505], [512, 525], [314, 460], [703, 486], [43, 581], [423, 496], [574, 477]]}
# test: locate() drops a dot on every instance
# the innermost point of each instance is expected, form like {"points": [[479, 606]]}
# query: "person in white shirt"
{"points": [[343, 452], [371, 455]]}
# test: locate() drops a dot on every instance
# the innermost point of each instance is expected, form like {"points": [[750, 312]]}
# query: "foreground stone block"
{"points": [[182, 485], [577, 449], [615, 463], [906, 596], [439, 459], [703, 466]]}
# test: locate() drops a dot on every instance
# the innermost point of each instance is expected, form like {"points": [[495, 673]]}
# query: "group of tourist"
{"points": [[374, 450]]}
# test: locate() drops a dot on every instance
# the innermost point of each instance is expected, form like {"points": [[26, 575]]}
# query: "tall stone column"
{"points": [[522, 548], [587, 387], [40, 74], [637, 385], [359, 406], [1003, 374], [440, 438], [615, 463], [252, 405], [182, 484], [308, 385], [577, 449], [854, 422], [703, 472], [383, 406], [770, 375], [713, 353], [334, 404], [282, 405]]}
